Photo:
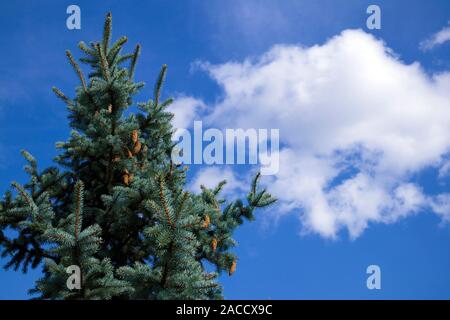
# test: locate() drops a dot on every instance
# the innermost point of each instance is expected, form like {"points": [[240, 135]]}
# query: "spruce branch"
{"points": [[31, 160], [83, 47], [115, 49], [79, 189], [166, 103], [25, 196], [255, 183], [159, 84], [104, 66], [136, 54], [184, 198], [77, 69], [107, 32], [163, 200], [62, 96]]}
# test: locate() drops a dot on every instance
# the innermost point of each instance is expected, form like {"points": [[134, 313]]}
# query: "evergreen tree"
{"points": [[114, 204]]}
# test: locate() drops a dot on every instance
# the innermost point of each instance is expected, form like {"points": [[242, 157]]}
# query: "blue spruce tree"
{"points": [[114, 204]]}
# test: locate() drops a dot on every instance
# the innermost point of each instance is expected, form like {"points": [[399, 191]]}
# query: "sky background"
{"points": [[293, 250]]}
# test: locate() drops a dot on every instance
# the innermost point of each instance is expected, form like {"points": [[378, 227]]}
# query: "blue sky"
{"points": [[289, 252]]}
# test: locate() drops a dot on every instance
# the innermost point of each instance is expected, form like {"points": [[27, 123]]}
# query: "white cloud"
{"points": [[186, 110], [436, 39], [211, 176], [444, 170], [441, 205], [355, 122]]}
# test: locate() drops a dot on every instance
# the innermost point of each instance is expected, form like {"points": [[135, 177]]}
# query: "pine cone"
{"points": [[206, 222], [137, 147], [134, 136], [214, 244], [126, 177], [232, 268], [210, 276]]}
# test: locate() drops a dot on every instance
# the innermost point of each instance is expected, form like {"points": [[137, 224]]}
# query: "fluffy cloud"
{"points": [[211, 176], [436, 39], [441, 205], [355, 123], [186, 110]]}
